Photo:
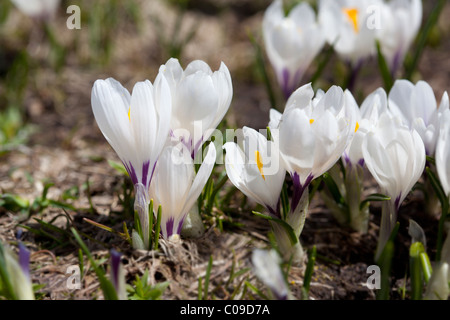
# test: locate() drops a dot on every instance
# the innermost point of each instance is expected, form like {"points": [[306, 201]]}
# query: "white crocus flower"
{"points": [[255, 169], [442, 156], [136, 126], [176, 187], [438, 287], [313, 135], [350, 25], [400, 21], [200, 100], [266, 265], [395, 156], [41, 9], [417, 107], [291, 42]]}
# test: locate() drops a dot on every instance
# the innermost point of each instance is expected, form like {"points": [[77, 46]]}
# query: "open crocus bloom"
{"points": [[314, 134], [443, 152], [400, 23], [136, 126], [395, 156], [200, 100], [350, 26], [42, 9], [417, 107], [291, 42], [176, 187], [255, 169]]}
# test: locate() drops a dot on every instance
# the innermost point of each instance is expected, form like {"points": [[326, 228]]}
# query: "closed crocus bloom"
{"points": [[266, 265], [16, 270], [350, 181], [395, 156], [442, 156], [438, 287], [41, 9], [350, 25], [136, 126], [255, 169], [313, 136], [400, 21], [291, 42], [417, 107], [200, 100], [176, 187], [118, 275], [367, 117]]}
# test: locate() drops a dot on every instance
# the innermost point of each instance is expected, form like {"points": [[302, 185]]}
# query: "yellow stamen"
{"points": [[259, 163], [357, 126], [129, 118], [352, 15], [311, 121]]}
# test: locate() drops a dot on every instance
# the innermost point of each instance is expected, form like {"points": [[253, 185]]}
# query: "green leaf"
{"points": [[284, 224], [107, 287], [436, 184], [426, 266], [7, 288], [422, 38], [384, 69], [333, 188], [119, 167], [13, 202], [207, 277], [309, 269], [322, 64], [262, 68], [373, 197], [385, 263], [256, 290], [415, 270], [158, 227]]}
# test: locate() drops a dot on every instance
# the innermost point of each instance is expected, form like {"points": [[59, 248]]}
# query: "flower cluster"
{"points": [[166, 120], [351, 27]]}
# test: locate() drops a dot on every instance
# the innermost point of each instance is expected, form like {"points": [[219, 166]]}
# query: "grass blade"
{"points": [[284, 224], [309, 269], [158, 227], [422, 38], [107, 287], [384, 69], [207, 277]]}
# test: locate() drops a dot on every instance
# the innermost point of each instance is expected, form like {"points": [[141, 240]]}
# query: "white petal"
{"points": [[201, 178]]}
